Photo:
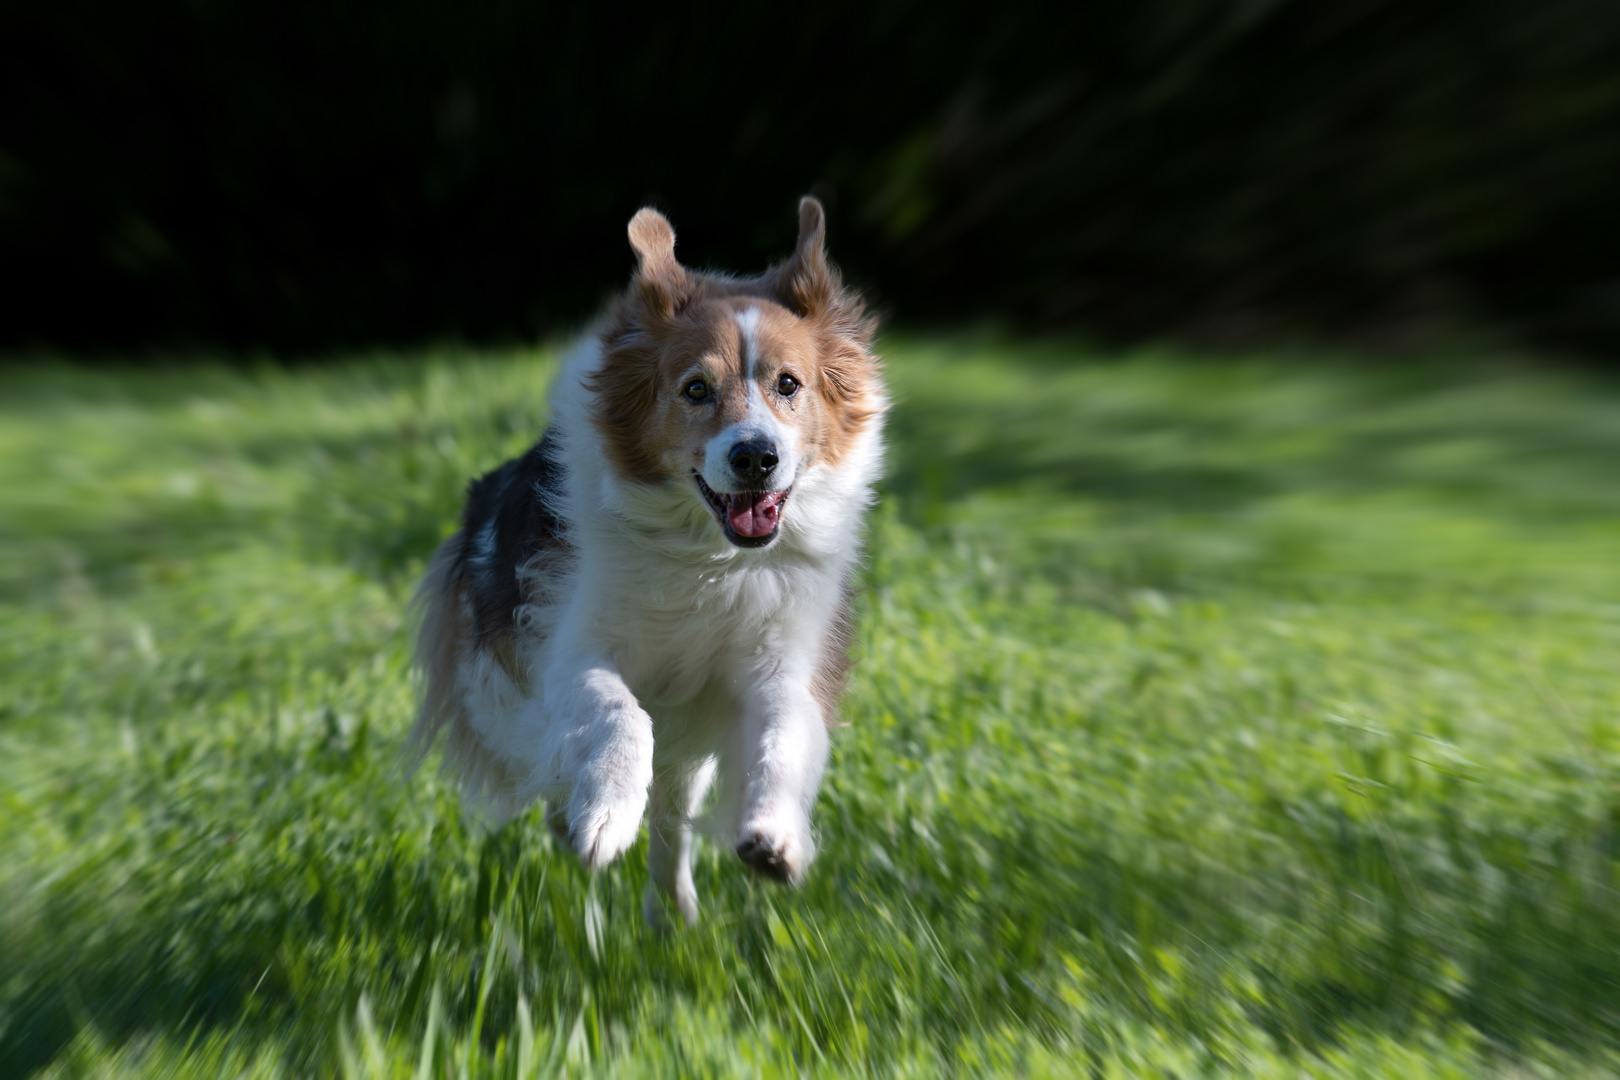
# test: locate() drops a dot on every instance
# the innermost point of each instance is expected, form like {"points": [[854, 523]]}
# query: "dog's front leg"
{"points": [[676, 791], [778, 751], [603, 758]]}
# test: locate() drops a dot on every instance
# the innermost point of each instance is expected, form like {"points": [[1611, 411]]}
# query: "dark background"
{"points": [[307, 176]]}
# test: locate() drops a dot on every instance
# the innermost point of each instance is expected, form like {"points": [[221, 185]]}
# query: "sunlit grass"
{"points": [[1213, 716]]}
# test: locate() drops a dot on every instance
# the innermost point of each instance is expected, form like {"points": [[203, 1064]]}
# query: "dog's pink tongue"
{"points": [[753, 513]]}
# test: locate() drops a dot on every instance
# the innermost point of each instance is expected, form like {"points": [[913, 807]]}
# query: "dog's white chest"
{"points": [[699, 630]]}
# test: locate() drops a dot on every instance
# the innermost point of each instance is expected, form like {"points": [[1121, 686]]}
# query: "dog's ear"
{"points": [[808, 284], [660, 281]]}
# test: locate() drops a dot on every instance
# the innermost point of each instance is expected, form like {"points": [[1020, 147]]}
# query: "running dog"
{"points": [[655, 598]]}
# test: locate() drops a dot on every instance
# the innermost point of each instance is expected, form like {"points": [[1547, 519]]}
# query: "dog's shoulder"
{"points": [[510, 518]]}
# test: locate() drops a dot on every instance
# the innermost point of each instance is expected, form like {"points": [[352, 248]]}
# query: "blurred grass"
{"points": [[1243, 716]]}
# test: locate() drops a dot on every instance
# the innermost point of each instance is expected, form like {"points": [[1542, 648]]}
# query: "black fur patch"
{"points": [[763, 859], [507, 522]]}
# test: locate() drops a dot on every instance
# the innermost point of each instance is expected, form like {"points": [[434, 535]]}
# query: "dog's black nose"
{"points": [[753, 459]]}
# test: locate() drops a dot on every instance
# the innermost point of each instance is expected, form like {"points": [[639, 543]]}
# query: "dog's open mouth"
{"points": [[749, 518]]}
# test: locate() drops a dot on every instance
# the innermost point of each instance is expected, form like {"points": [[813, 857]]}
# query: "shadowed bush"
{"points": [[310, 177]]}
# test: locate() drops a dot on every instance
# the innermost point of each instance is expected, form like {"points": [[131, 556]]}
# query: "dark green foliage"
{"points": [[308, 175]]}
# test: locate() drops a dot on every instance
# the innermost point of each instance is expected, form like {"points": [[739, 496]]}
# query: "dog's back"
{"points": [[499, 566]]}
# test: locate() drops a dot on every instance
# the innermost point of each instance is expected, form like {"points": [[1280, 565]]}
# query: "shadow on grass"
{"points": [[1162, 460]]}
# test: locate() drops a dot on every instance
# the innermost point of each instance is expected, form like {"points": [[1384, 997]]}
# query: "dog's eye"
{"points": [[787, 385], [696, 390]]}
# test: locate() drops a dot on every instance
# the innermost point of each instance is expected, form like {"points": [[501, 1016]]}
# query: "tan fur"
{"points": [[832, 673], [440, 637]]}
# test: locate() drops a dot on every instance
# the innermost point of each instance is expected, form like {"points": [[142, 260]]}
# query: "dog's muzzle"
{"points": [[748, 518]]}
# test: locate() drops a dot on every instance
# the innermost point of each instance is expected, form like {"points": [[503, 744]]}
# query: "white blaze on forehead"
{"points": [[758, 411], [748, 322]]}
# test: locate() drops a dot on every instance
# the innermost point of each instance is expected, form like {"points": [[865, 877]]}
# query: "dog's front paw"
{"points": [[603, 822], [777, 850]]}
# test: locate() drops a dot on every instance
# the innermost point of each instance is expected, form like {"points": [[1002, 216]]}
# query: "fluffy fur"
{"points": [[653, 599]]}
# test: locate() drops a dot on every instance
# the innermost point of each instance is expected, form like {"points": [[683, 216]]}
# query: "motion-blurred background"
{"points": [[312, 176]]}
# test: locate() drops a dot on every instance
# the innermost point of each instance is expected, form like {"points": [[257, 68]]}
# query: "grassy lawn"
{"points": [[1244, 716]]}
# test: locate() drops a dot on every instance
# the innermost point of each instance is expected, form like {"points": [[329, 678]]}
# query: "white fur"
{"points": [[748, 323], [663, 655]]}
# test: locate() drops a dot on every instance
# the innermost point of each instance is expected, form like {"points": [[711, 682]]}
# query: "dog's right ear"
{"points": [[660, 281]]}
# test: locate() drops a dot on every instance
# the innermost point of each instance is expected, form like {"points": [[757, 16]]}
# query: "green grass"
{"points": [[1250, 717]]}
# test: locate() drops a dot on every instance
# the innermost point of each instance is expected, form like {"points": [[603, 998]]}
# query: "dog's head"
{"points": [[734, 389]]}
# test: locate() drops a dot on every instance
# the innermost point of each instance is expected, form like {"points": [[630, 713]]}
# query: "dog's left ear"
{"points": [[808, 283]]}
